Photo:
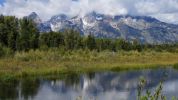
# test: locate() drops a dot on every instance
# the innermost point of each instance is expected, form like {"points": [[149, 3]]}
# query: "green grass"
{"points": [[54, 61]]}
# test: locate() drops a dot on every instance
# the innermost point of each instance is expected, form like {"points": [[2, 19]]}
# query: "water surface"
{"points": [[93, 86]]}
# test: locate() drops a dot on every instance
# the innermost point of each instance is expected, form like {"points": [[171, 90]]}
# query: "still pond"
{"points": [[93, 86]]}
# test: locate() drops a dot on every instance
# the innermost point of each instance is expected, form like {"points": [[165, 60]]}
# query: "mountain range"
{"points": [[142, 28]]}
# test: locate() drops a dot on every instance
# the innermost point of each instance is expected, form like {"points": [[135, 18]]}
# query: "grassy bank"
{"points": [[59, 61]]}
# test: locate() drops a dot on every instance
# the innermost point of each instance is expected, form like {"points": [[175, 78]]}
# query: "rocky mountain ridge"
{"points": [[142, 28]]}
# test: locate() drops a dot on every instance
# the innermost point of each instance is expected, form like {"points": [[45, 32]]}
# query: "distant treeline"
{"points": [[23, 35]]}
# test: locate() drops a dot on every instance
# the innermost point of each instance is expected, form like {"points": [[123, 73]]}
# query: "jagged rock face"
{"points": [[42, 26], [142, 28], [35, 17]]}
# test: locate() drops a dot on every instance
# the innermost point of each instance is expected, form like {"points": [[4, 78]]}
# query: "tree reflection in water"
{"points": [[29, 87], [101, 85], [8, 89], [14, 89]]}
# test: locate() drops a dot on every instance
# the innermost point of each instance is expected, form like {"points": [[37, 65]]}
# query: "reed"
{"points": [[55, 61]]}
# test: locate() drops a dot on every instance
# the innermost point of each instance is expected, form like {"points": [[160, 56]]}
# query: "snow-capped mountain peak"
{"points": [[34, 16], [143, 28]]}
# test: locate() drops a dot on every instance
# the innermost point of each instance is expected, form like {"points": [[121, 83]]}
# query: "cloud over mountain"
{"points": [[164, 10]]}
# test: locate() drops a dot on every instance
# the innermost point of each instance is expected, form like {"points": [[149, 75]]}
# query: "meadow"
{"points": [[55, 61]]}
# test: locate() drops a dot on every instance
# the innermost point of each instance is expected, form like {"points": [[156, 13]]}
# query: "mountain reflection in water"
{"points": [[92, 86]]}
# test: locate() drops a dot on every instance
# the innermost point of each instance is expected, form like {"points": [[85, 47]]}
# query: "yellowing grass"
{"points": [[55, 61]]}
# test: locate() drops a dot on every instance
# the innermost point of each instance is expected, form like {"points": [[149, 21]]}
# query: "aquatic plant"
{"points": [[156, 95]]}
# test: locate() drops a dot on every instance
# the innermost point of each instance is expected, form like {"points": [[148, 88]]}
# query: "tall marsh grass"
{"points": [[40, 62]]}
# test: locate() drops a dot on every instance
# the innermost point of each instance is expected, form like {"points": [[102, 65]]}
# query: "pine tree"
{"points": [[3, 31], [13, 33], [29, 35], [71, 39], [91, 42]]}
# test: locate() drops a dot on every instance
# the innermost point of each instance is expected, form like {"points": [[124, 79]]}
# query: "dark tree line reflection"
{"points": [[29, 87], [22, 89], [8, 89]]}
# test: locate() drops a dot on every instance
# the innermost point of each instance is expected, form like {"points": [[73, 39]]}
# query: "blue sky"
{"points": [[164, 10], [2, 1]]}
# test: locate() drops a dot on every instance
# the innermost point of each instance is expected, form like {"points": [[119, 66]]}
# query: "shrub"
{"points": [[5, 52], [1, 51]]}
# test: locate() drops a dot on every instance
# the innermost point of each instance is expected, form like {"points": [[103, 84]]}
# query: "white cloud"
{"points": [[167, 17], [164, 10]]}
